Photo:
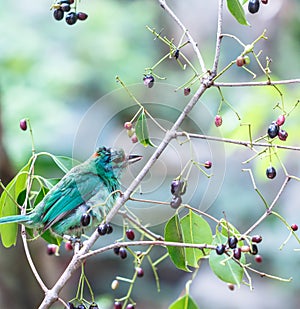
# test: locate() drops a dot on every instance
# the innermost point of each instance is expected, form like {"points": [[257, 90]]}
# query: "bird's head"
{"points": [[113, 160]]}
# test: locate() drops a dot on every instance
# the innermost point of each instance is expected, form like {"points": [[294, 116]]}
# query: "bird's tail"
{"points": [[14, 219]]}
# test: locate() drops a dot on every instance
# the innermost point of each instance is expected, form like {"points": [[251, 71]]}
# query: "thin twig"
{"points": [[264, 83]]}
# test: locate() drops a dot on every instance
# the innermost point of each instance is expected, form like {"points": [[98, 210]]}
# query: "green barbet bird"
{"points": [[81, 198]]}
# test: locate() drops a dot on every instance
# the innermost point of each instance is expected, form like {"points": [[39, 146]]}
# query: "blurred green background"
{"points": [[53, 73]]}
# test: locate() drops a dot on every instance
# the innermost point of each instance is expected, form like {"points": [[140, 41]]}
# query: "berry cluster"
{"points": [[121, 252], [104, 229], [232, 243], [253, 5], [64, 6], [275, 130], [82, 306], [130, 131], [178, 188]]}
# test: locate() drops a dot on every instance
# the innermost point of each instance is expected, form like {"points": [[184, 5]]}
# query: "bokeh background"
{"points": [[53, 73]]}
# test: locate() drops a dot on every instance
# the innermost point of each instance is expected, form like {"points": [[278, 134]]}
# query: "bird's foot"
{"points": [[75, 241]]}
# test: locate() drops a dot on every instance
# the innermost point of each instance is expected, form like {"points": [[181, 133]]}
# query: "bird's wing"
{"points": [[71, 192]]}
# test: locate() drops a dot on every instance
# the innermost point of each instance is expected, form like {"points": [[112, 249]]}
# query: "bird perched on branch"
{"points": [[81, 198]]}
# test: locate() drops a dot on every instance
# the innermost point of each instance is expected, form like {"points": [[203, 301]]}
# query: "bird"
{"points": [[82, 198]]}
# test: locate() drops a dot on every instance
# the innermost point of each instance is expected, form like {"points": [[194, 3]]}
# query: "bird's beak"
{"points": [[132, 158]]}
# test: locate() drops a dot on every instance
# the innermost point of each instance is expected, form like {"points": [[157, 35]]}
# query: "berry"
{"points": [[240, 61], [258, 258], [280, 120], [109, 228], [82, 16], [102, 229], [220, 249], [186, 91], [70, 306], [128, 125], [71, 18], [123, 253], [237, 253], [176, 202], [254, 249], [130, 306], [117, 250], [85, 219], [218, 120], [294, 227], [115, 284], [231, 286], [58, 14], [273, 130], [148, 81], [69, 246], [130, 234], [271, 172], [247, 59], [52, 249], [256, 238], [134, 139], [245, 248], [178, 187], [282, 134], [176, 54], [264, 1], [117, 305], [139, 272], [232, 241], [81, 306], [207, 164], [93, 306], [23, 124], [65, 7], [253, 6]]}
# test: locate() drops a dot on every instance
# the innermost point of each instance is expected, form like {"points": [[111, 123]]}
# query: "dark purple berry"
{"points": [[271, 172], [117, 250], [51, 249], [102, 229], [253, 6], [23, 124], [85, 219], [58, 14], [117, 305], [254, 249], [109, 228], [207, 164], [81, 306], [231, 286], [71, 18], [176, 54], [130, 306], [280, 120], [123, 253], [258, 258], [178, 187], [82, 16], [176, 202], [232, 241], [257, 239], [237, 253], [218, 121], [294, 227], [240, 61], [273, 130], [148, 81], [264, 1], [186, 91], [220, 249], [93, 306], [65, 7], [282, 134], [70, 305], [130, 234], [139, 272]]}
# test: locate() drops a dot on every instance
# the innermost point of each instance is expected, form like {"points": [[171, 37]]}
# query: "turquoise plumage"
{"points": [[81, 198]]}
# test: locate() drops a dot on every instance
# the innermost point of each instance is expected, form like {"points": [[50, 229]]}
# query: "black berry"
{"points": [[254, 249], [71, 18], [130, 234], [102, 229], [123, 253], [117, 250], [139, 272], [23, 124], [232, 241], [273, 130], [82, 16], [282, 135], [85, 219], [93, 306], [253, 6], [257, 239], [176, 54], [70, 306], [109, 228], [220, 249], [148, 81], [176, 202], [58, 14], [65, 7], [178, 187], [186, 91], [237, 253], [294, 227], [271, 172], [117, 305], [81, 306]]}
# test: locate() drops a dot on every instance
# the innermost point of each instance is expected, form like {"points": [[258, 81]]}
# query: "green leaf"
{"points": [[184, 302], [173, 233], [141, 130], [9, 207], [63, 162], [50, 238], [236, 9], [195, 231], [223, 266]]}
